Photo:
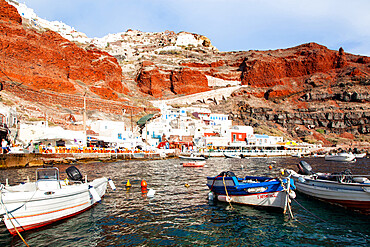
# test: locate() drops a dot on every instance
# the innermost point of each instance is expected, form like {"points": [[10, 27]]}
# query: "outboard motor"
{"points": [[226, 174], [74, 174], [304, 168]]}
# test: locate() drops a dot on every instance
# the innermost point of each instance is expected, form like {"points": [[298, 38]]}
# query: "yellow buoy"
{"points": [[128, 183], [187, 185]]}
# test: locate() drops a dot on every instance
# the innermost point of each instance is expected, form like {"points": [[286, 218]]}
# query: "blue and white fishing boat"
{"points": [[252, 190]]}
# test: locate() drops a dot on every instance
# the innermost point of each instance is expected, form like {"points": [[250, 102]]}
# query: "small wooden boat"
{"points": [[341, 157], [192, 157], [194, 164], [343, 189], [252, 190], [35, 204]]}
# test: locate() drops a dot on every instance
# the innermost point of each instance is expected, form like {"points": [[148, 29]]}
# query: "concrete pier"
{"points": [[26, 160]]}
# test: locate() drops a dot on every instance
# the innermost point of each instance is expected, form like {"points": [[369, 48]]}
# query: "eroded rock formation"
{"points": [[46, 60]]}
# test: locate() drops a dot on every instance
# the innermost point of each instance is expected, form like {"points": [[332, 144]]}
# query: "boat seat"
{"points": [[48, 184], [26, 187]]}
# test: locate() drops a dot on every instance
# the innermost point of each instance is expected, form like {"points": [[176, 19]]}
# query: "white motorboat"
{"points": [[342, 157], [49, 199], [344, 189], [360, 156], [233, 156], [192, 157]]}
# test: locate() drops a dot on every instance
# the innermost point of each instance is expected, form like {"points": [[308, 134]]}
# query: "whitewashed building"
{"points": [[8, 116], [115, 133], [261, 140], [172, 122]]}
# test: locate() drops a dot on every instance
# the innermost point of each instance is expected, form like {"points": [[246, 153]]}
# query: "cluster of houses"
{"points": [[190, 129]]}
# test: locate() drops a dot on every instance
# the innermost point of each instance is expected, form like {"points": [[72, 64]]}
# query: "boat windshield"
{"points": [[47, 173]]}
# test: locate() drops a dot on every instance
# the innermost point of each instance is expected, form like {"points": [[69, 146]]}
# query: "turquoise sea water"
{"points": [[182, 216]]}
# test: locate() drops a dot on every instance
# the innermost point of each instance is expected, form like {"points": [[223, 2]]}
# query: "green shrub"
{"points": [[321, 131]]}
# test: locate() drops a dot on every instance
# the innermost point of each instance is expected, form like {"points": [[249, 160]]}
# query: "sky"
{"points": [[231, 25]]}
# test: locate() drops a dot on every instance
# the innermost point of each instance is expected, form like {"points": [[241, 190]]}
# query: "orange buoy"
{"points": [[270, 167], [143, 184], [128, 183]]}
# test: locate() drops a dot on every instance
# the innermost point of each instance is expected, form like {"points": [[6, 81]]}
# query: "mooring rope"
{"points": [[308, 210], [227, 194], [6, 211]]}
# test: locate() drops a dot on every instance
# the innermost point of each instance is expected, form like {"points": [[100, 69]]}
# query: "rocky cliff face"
{"points": [[280, 72], [307, 92], [45, 60]]}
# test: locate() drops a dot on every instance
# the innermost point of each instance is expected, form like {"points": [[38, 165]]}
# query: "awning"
{"points": [[144, 119]]}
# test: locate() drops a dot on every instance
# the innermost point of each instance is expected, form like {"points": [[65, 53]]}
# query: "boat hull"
{"points": [[253, 191], [44, 207], [360, 156], [353, 196], [230, 156], [194, 164], [192, 157], [340, 157], [271, 200]]}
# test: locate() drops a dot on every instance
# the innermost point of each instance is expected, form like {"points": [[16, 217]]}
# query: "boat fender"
{"points": [[211, 196], [74, 174], [304, 168], [94, 193], [301, 179], [292, 194], [111, 184], [150, 193]]}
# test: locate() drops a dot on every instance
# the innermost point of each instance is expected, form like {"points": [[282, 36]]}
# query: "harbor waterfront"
{"points": [[180, 215]]}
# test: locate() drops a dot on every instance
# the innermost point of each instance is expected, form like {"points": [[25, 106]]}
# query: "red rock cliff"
{"points": [[282, 72], [48, 61]]}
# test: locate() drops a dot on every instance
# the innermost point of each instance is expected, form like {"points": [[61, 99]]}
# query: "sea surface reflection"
{"points": [[179, 215]]}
